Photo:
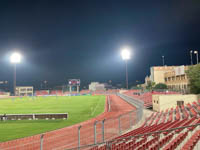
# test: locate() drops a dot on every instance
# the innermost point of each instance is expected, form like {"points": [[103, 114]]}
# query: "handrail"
{"points": [[137, 103], [136, 136]]}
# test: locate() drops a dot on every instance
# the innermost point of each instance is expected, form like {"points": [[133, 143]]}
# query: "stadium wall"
{"points": [[163, 102]]}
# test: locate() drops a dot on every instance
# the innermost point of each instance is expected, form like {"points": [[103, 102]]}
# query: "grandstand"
{"points": [[168, 130], [41, 92], [146, 97], [82, 92]]}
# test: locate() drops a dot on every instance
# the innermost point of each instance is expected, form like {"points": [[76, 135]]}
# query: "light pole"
{"points": [[126, 56], [191, 57], [45, 83], [197, 55], [163, 60], [15, 58]]}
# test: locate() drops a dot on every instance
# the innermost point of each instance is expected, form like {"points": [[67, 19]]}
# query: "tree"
{"points": [[150, 85], [193, 74], [160, 86]]}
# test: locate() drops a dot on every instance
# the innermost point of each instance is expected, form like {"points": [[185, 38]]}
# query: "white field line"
{"points": [[95, 108]]}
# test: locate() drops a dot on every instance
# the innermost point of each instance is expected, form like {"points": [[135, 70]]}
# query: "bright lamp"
{"points": [[15, 58], [126, 54]]}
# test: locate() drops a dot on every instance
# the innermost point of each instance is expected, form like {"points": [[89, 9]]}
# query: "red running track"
{"points": [[66, 138]]}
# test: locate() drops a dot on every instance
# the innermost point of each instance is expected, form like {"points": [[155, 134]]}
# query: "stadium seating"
{"points": [[2, 93], [184, 139], [105, 92], [85, 92], [190, 144], [41, 92], [146, 97], [56, 92]]}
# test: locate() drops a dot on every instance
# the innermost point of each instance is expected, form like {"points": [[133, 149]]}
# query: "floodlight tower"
{"points": [[191, 57], [197, 55], [163, 60], [15, 58], [125, 53]]}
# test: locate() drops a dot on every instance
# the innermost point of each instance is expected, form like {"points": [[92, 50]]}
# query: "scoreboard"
{"points": [[74, 82]]}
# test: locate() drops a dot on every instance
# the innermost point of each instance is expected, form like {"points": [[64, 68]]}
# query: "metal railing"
{"points": [[149, 135], [107, 129]]}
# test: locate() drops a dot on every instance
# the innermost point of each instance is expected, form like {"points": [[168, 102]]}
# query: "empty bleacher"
{"points": [[56, 92], [164, 130], [41, 92], [146, 97]]}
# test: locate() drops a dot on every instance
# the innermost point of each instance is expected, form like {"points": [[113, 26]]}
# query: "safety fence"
{"points": [[137, 103], [108, 129], [100, 131], [180, 137], [163, 91]]}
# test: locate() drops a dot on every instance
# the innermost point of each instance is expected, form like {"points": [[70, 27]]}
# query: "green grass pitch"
{"points": [[79, 108]]}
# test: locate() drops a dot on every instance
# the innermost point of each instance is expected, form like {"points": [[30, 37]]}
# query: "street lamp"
{"points": [[15, 58], [45, 83], [163, 60], [197, 55], [191, 57], [126, 56]]}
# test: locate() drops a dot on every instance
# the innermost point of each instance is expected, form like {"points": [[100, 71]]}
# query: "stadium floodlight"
{"points": [[196, 52], [126, 55], [15, 58]]}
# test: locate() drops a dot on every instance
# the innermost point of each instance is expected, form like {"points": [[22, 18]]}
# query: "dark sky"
{"points": [[64, 39]]}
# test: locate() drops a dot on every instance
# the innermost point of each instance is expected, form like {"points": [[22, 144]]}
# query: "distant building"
{"points": [[177, 79], [108, 86], [96, 86], [173, 76], [24, 91], [158, 72]]}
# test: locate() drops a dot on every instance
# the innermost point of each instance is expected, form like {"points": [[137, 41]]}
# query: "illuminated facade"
{"points": [[173, 76], [177, 79], [24, 91]]}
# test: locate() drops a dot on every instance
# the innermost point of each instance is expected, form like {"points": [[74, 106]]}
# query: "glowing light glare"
{"points": [[125, 54], [195, 52], [15, 58]]}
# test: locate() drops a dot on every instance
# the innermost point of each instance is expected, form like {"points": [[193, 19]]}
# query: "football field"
{"points": [[79, 108]]}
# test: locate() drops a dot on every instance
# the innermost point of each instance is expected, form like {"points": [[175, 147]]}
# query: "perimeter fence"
{"points": [[107, 129], [184, 137]]}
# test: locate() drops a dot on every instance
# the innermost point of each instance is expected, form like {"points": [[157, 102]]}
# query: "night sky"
{"points": [[64, 39]]}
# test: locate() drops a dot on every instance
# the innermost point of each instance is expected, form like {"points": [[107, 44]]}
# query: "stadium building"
{"points": [[24, 91], [96, 86], [173, 76], [177, 78]]}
